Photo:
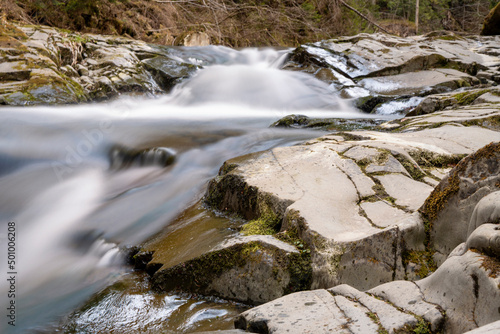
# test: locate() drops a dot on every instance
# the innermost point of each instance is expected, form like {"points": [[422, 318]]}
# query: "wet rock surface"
{"points": [[42, 65], [252, 269], [388, 75]]}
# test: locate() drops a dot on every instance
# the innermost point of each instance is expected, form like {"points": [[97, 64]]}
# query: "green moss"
{"points": [[422, 258], [451, 185], [300, 270], [266, 224], [299, 267], [362, 163], [292, 120], [227, 168], [382, 157], [197, 274], [76, 38], [8, 29], [466, 98], [430, 159], [415, 172], [374, 317], [381, 195], [490, 264], [422, 327], [438, 198], [492, 122], [349, 136]]}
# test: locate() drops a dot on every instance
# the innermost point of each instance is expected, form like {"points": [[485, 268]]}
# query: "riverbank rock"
{"points": [[352, 197], [464, 200], [42, 65], [346, 205], [461, 295], [439, 102], [391, 75], [253, 270]]}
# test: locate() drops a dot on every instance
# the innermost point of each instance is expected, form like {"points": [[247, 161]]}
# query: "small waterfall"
{"points": [[82, 181]]}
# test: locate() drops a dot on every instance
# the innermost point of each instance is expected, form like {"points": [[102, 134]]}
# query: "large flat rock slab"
{"points": [[373, 55], [483, 115], [302, 312], [419, 83]]}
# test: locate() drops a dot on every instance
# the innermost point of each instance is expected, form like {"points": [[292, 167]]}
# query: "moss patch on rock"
{"points": [[422, 327], [266, 224], [413, 169], [492, 123], [198, 273], [424, 259], [490, 264], [253, 260], [430, 159], [300, 270], [351, 136], [467, 98]]}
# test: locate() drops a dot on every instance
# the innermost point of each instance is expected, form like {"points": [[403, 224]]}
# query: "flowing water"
{"points": [[82, 182]]}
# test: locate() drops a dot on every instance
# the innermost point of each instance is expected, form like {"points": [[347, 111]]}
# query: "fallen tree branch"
{"points": [[364, 17]]}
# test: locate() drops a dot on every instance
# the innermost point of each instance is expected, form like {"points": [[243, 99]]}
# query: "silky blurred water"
{"points": [[74, 206]]}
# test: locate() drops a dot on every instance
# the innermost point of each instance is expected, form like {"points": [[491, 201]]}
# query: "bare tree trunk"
{"points": [[364, 17], [416, 16]]}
